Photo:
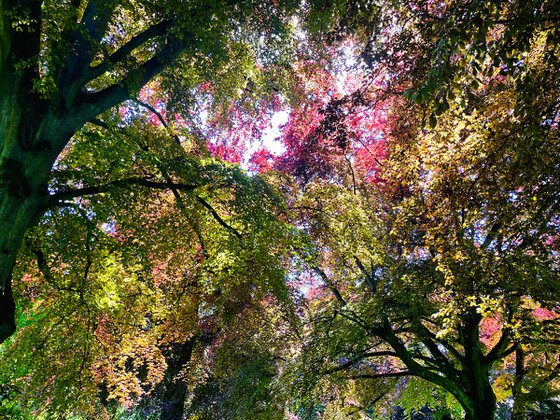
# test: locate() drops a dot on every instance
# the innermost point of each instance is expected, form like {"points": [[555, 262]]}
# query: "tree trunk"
{"points": [[519, 411], [482, 404], [36, 123], [17, 214], [30, 140], [23, 199], [173, 401], [25, 160], [33, 131], [174, 392], [471, 387]]}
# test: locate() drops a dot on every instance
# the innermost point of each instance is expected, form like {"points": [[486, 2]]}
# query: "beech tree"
{"points": [[447, 270], [62, 64], [411, 224], [70, 157]]}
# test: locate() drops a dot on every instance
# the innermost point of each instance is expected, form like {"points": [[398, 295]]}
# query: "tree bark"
{"points": [[24, 174], [483, 401], [482, 404], [470, 386], [26, 158]]}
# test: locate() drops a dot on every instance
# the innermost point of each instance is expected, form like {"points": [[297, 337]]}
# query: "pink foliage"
{"points": [[261, 160], [543, 314], [337, 128], [490, 330]]}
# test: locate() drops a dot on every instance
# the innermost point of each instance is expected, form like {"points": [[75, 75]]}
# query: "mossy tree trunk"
{"points": [[37, 123], [25, 161]]}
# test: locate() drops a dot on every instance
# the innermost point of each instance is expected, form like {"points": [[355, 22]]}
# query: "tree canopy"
{"points": [[393, 250]]}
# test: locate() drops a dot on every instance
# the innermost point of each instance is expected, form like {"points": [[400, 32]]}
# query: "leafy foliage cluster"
{"points": [[400, 251]]}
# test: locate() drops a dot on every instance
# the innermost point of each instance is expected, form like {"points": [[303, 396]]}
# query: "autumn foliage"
{"points": [[389, 247]]}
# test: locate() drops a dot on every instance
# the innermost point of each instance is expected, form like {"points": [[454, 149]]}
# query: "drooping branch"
{"points": [[352, 316], [218, 218], [152, 110], [44, 268], [383, 375], [169, 184], [159, 117], [358, 359]]}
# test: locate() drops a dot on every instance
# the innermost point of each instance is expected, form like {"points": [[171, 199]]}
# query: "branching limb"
{"points": [[383, 375], [59, 196], [89, 105], [123, 52], [428, 339], [500, 349], [452, 350], [351, 316]]}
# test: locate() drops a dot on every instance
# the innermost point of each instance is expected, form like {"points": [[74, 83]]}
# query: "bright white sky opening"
{"points": [[270, 137]]}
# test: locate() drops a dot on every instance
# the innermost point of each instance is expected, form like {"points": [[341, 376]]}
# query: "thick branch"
{"points": [[85, 39], [92, 104], [500, 349], [492, 234], [96, 18], [450, 384], [124, 51], [452, 350], [25, 33], [370, 277], [20, 42], [429, 339]]}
